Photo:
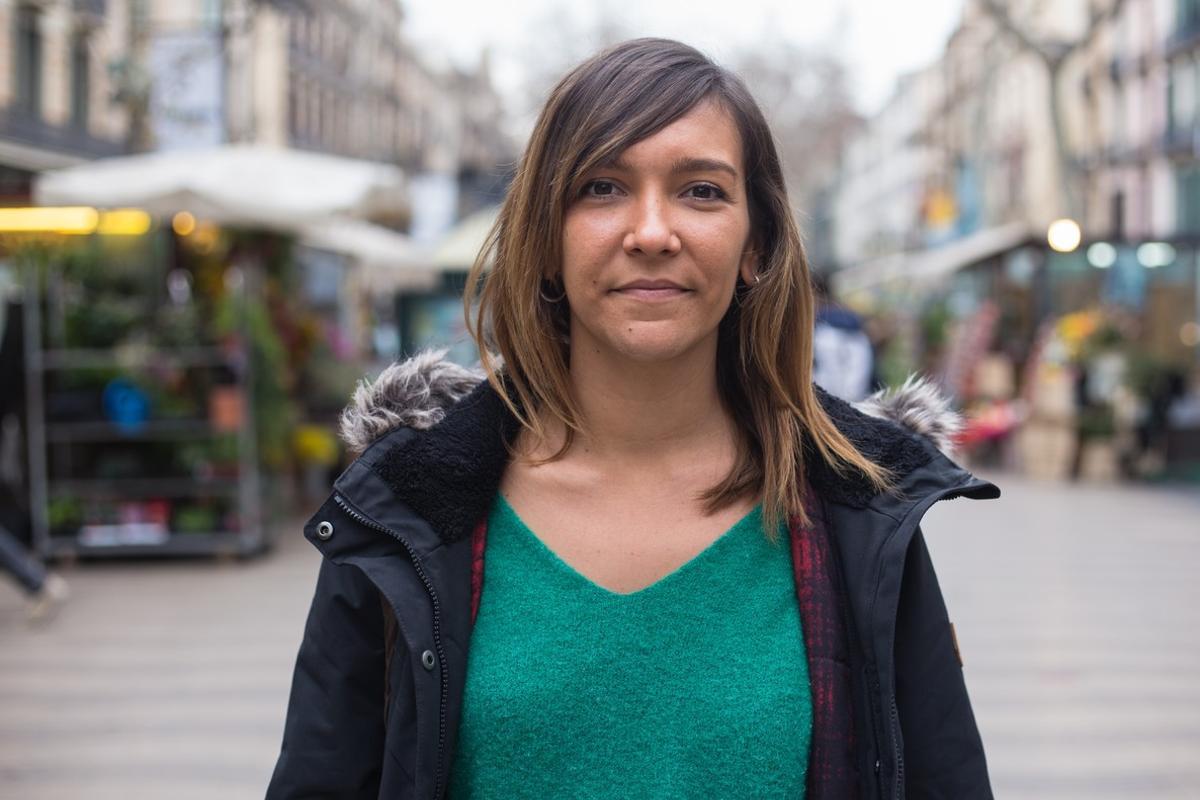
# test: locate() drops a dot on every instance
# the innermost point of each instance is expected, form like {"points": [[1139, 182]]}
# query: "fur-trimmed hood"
{"points": [[418, 392]]}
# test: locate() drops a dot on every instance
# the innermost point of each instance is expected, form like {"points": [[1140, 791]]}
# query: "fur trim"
{"points": [[415, 393], [448, 469], [921, 407], [418, 392]]}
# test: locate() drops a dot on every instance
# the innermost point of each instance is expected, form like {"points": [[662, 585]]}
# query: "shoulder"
{"points": [[903, 430], [415, 394]]}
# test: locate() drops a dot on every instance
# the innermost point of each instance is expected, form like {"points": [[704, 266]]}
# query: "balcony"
{"points": [[1184, 39], [1181, 142], [31, 130], [96, 9]]}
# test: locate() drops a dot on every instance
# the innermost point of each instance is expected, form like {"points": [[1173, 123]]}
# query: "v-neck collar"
{"points": [[751, 518]]}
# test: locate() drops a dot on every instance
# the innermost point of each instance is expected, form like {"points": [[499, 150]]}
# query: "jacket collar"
{"points": [[435, 436]]}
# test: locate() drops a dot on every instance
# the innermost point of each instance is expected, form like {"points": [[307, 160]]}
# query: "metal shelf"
{"points": [[153, 429], [47, 441], [143, 488], [177, 544], [141, 358]]}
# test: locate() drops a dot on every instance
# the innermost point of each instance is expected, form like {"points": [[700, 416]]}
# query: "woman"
{"points": [[645, 556]]}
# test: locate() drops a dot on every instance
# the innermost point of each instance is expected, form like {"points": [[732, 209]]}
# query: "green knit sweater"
{"points": [[696, 686]]}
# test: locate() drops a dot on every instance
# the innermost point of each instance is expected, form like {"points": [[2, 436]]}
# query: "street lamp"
{"points": [[1064, 235]]}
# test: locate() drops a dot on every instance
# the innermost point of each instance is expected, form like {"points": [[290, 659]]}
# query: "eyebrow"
{"points": [[680, 165]]}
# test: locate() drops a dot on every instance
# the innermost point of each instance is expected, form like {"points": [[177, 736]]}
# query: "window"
{"points": [[1187, 15], [81, 84], [29, 61], [1187, 194], [1172, 122]]}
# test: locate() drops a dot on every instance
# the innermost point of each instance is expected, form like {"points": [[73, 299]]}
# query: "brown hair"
{"points": [[764, 353]]}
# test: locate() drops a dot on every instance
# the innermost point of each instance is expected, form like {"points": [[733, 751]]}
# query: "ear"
{"points": [[748, 266]]}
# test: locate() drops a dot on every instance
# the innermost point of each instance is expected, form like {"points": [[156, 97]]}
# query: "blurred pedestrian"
{"points": [[843, 356], [645, 557], [46, 591]]}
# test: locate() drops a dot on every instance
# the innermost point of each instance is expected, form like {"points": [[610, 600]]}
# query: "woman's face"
{"points": [[653, 244]]}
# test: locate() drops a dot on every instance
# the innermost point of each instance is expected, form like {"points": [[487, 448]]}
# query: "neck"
{"points": [[644, 411]]}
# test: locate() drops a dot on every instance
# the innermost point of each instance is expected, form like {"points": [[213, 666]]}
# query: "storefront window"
{"points": [[1187, 15], [81, 85], [29, 60], [1187, 189]]}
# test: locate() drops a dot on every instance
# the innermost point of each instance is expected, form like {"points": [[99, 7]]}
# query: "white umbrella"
{"points": [[254, 185], [389, 260], [459, 247]]}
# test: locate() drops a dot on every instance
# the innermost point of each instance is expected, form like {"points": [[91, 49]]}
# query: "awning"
{"points": [[389, 260], [251, 185], [458, 249], [925, 267]]}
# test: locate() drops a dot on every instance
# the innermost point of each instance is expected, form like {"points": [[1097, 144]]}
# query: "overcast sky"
{"points": [[878, 39]]}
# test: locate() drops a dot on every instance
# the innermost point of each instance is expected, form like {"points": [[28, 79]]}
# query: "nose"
{"points": [[652, 232]]}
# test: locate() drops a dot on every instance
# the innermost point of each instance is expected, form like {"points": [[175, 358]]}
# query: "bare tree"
{"points": [[806, 96], [1054, 54]]}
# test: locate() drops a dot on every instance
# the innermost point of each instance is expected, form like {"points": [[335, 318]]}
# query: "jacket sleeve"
{"points": [[943, 753], [334, 731]]}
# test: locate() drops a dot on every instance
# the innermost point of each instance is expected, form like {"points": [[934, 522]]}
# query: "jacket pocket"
{"points": [[401, 739]]}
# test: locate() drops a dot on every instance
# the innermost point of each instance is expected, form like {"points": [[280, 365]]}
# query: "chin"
{"points": [[649, 347]]}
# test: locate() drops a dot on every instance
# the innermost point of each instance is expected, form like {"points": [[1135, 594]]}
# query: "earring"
{"points": [[552, 300], [757, 278]]}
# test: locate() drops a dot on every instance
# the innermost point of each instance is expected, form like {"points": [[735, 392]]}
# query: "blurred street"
{"points": [[158, 679], [1078, 615], [1077, 611]]}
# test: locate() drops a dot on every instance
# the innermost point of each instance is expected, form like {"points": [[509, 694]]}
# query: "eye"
{"points": [[706, 191], [598, 188]]}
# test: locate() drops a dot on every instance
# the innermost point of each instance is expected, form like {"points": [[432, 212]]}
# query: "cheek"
{"points": [[589, 240]]}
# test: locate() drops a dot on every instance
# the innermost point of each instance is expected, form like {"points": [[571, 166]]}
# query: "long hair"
{"points": [[764, 352]]}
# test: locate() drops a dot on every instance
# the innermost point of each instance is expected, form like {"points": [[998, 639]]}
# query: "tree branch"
{"points": [[1054, 54], [1096, 23], [1004, 20]]}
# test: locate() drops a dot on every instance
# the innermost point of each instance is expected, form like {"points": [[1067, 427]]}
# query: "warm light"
{"points": [[1155, 254], [1102, 255], [1189, 334], [124, 222], [183, 223], [1064, 235], [67, 219], [204, 238]]}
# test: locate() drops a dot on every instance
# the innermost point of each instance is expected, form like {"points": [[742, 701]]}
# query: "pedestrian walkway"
{"points": [[1078, 614], [157, 679], [1077, 609]]}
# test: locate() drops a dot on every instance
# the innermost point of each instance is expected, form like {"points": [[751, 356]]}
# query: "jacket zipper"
{"points": [[894, 714], [899, 755], [361, 518], [873, 692]]}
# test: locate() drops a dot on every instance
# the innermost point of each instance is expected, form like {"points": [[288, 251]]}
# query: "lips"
{"points": [[652, 285], [651, 290]]}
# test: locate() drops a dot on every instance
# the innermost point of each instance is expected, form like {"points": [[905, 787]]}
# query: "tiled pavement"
{"points": [[1078, 615], [1077, 609], [163, 680]]}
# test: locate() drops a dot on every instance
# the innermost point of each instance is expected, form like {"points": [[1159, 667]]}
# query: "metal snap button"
{"points": [[427, 659], [324, 530]]}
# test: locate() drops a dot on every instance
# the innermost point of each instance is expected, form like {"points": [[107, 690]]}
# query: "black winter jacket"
{"points": [[379, 679]]}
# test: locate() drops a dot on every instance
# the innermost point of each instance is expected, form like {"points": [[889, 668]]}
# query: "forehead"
{"points": [[705, 133]]}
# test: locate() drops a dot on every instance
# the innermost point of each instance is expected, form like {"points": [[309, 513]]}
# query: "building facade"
{"points": [[335, 77], [63, 85], [984, 141], [1181, 134]]}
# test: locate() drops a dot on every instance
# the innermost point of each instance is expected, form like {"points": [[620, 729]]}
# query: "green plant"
{"points": [[934, 324], [64, 513], [195, 518]]}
